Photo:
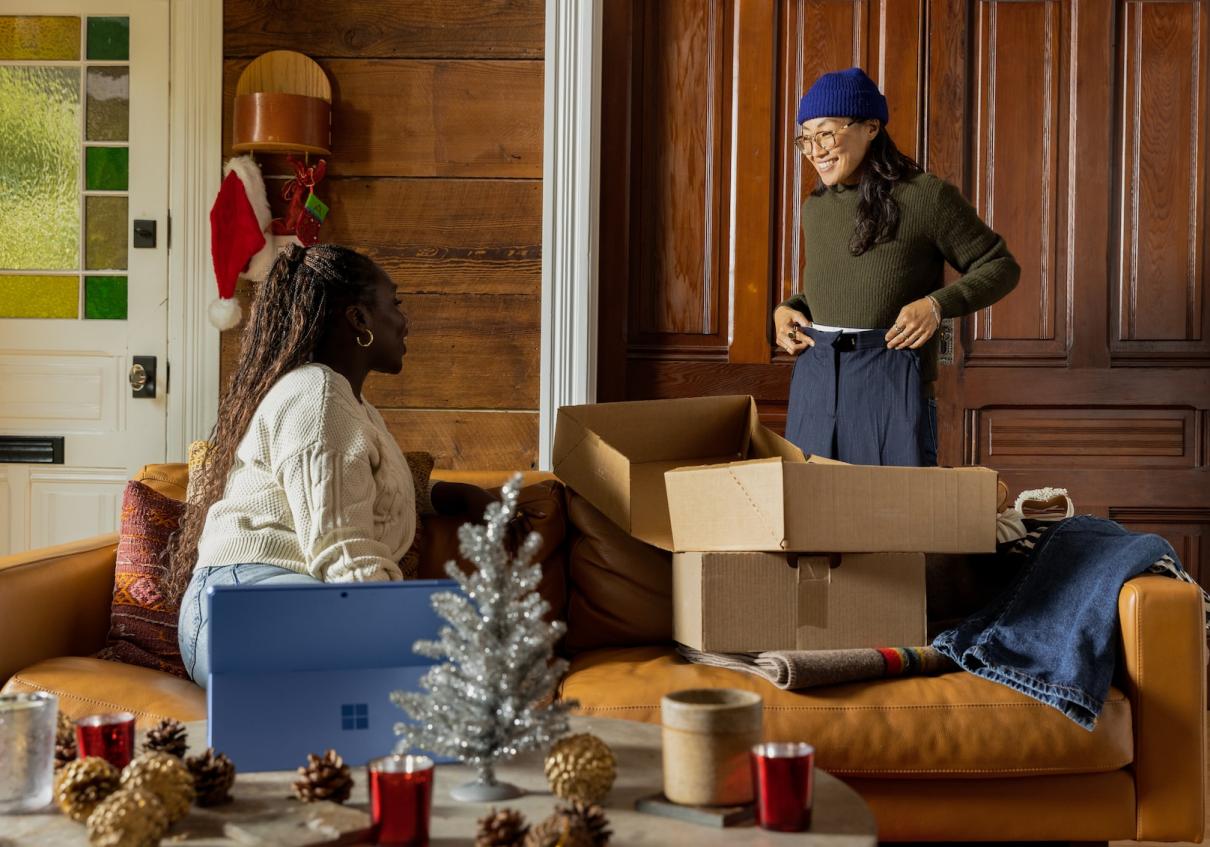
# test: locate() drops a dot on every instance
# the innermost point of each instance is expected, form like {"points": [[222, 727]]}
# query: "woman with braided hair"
{"points": [[302, 480]]}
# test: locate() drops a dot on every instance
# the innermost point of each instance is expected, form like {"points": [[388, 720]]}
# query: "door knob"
{"points": [[138, 377], [142, 377]]}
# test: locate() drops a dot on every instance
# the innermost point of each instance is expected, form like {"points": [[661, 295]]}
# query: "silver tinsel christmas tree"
{"points": [[489, 700]]}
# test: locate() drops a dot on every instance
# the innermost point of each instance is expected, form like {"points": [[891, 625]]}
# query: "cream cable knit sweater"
{"points": [[318, 485]]}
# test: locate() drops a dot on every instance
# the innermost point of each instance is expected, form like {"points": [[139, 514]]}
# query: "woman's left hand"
{"points": [[915, 325]]}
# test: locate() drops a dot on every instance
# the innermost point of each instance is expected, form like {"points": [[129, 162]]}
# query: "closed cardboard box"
{"points": [[615, 454], [778, 505], [751, 602]]}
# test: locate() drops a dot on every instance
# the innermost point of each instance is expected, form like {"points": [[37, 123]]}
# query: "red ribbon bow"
{"points": [[305, 176]]}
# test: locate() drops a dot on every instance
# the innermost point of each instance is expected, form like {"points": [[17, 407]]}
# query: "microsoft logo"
{"points": [[355, 716]]}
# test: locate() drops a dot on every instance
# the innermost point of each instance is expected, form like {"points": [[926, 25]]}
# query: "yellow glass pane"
{"points": [[39, 296], [39, 168], [37, 37], [105, 233]]}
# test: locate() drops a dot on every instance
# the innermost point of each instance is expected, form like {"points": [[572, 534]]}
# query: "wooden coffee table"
{"points": [[264, 811]]}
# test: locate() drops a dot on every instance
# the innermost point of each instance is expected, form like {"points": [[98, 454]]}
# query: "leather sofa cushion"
{"points": [[541, 509], [1055, 809], [955, 725], [167, 479], [86, 686], [621, 589]]}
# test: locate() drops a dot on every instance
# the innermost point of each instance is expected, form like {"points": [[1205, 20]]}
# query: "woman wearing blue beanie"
{"points": [[877, 232]]}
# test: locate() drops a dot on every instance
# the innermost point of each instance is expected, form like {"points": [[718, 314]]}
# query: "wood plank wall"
{"points": [[436, 173]]}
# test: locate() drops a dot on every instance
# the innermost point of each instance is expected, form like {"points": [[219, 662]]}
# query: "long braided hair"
{"points": [[877, 212], [294, 308]]}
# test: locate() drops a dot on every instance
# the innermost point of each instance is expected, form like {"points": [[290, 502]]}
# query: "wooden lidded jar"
{"points": [[283, 104]]}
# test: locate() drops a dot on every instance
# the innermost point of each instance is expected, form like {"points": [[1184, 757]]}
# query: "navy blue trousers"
{"points": [[853, 399]]}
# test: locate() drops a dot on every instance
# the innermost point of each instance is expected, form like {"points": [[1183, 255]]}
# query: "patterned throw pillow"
{"points": [[143, 623]]}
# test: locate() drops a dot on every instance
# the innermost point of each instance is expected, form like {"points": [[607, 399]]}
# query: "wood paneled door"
{"points": [[1078, 128]]}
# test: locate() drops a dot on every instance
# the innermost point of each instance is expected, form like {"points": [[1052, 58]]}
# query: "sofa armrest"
{"points": [[1164, 650], [55, 601]]}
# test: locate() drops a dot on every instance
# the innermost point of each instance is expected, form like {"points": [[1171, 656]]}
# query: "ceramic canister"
{"points": [[707, 733]]}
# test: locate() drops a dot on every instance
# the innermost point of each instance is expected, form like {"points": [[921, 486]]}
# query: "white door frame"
{"points": [[195, 166], [570, 203], [571, 153]]}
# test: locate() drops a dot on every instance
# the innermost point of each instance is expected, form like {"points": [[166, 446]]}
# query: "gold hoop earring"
{"points": [[369, 332]]}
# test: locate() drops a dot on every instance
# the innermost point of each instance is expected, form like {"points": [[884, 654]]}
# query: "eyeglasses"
{"points": [[825, 140]]}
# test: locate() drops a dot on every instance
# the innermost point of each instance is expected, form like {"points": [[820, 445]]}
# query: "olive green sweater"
{"points": [[936, 225]]}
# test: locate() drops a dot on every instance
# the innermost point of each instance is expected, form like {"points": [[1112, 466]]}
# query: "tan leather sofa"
{"points": [[948, 758]]}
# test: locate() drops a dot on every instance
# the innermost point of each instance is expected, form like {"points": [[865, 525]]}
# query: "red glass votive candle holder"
{"points": [[109, 736], [401, 799], [783, 780]]}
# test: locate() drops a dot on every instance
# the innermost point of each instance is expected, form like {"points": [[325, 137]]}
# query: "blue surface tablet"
{"points": [[298, 669]]}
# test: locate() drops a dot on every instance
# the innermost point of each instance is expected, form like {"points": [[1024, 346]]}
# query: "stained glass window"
{"points": [[65, 172], [109, 38], [39, 38]]}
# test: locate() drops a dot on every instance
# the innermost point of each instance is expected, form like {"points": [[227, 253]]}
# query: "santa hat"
{"points": [[238, 244]]}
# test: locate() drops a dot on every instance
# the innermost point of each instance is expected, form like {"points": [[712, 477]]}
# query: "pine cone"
{"points": [[505, 828], [132, 817], [168, 736], [166, 777], [65, 741], [82, 784], [592, 817], [324, 777], [558, 831], [213, 776], [581, 767]]}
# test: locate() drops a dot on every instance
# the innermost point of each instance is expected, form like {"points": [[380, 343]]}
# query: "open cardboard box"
{"points": [[751, 602], [825, 506], [732, 484], [616, 454]]}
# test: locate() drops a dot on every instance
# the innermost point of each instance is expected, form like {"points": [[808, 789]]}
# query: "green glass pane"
{"points": [[108, 104], [109, 38], [39, 296], [105, 233], [25, 37], [106, 168], [105, 297], [39, 168]]}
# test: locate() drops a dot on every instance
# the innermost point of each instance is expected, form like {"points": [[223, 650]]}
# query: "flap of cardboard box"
{"points": [[784, 505], [814, 575], [616, 455]]}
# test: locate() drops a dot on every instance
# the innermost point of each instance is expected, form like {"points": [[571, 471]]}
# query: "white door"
{"points": [[83, 157]]}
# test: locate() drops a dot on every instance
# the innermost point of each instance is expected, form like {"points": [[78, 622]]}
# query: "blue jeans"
{"points": [[193, 630], [854, 399], [1053, 634]]}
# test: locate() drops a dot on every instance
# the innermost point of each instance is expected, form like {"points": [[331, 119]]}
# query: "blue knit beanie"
{"points": [[843, 94]]}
